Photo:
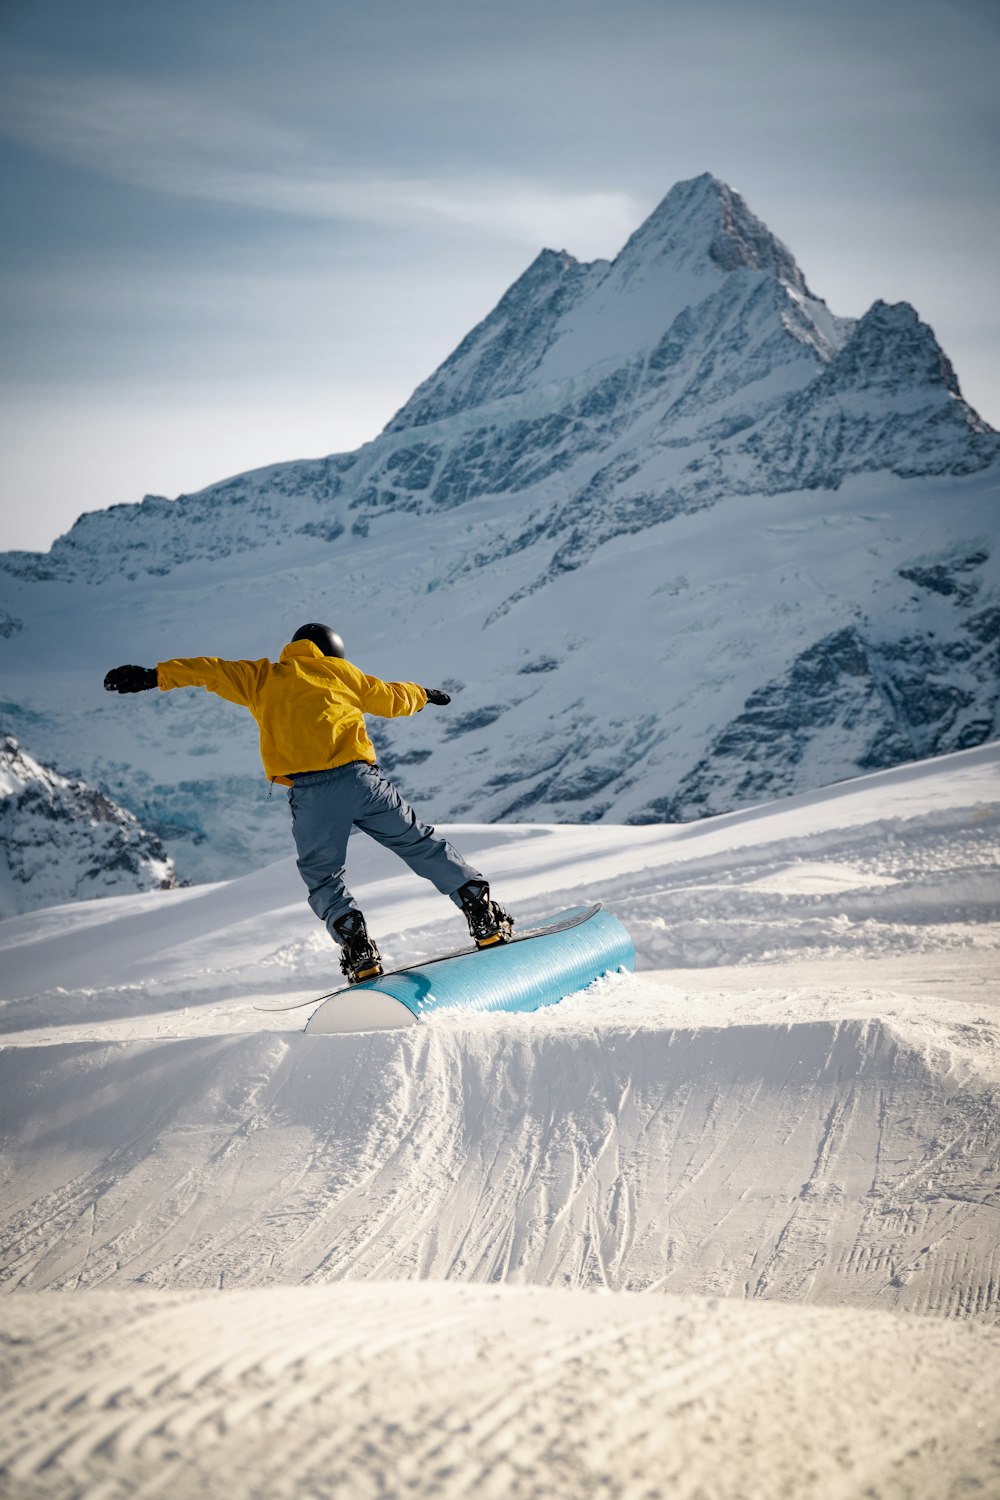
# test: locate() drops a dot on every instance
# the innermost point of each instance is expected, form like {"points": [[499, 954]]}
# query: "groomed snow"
{"points": [[666, 1238], [442, 1391]]}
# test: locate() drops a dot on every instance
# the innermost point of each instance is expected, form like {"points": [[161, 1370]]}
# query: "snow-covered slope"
{"points": [[412, 1260], [64, 841], [796, 1130], [675, 535]]}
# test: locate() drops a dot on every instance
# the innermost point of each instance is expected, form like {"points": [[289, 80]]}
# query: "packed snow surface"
{"points": [[427, 1389], [666, 1238]]}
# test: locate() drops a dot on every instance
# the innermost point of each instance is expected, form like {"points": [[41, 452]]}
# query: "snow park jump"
{"points": [[537, 968]]}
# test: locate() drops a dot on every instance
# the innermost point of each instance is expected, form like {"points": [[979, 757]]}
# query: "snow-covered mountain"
{"points": [[64, 841], [675, 536]]}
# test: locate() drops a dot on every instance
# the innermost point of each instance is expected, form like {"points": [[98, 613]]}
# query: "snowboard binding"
{"points": [[359, 957], [488, 923]]}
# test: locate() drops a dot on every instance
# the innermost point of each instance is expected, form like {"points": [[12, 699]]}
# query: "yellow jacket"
{"points": [[310, 707]]}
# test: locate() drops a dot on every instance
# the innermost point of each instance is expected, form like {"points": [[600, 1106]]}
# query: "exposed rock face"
{"points": [[889, 400], [852, 702], [678, 536], [65, 841]]}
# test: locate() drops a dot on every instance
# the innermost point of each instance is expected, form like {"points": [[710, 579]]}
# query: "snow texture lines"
{"points": [[823, 1162], [448, 1391]]}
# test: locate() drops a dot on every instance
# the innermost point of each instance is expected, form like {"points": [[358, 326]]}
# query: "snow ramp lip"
{"points": [[817, 1161]]}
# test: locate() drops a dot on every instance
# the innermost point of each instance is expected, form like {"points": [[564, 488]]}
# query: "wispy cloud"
{"points": [[169, 139]]}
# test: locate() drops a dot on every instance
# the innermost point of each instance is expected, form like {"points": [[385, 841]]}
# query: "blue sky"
{"points": [[243, 232]]}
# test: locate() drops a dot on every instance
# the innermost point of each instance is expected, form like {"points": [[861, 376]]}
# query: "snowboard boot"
{"points": [[488, 922], [359, 957]]}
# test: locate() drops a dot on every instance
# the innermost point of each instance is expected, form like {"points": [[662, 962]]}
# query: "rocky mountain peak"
{"points": [[563, 319], [704, 218], [892, 345], [493, 359], [63, 840]]}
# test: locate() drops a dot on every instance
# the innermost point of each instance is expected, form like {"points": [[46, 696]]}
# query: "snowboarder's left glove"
{"points": [[131, 679], [435, 695]]}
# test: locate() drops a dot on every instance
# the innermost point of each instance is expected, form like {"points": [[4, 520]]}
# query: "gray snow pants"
{"points": [[326, 805]]}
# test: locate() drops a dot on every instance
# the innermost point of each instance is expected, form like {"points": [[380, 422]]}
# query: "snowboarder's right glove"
{"points": [[435, 695], [131, 679]]}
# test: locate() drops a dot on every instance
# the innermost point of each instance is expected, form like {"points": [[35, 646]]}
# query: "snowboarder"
{"points": [[310, 706]]}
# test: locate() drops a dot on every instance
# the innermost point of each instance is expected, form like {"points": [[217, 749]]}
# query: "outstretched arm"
{"points": [[233, 680], [391, 699]]}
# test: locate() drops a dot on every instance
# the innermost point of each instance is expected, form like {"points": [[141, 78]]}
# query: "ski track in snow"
{"points": [[429, 1242], [819, 1161], [452, 1391]]}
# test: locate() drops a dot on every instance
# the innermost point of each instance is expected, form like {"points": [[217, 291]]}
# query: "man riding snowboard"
{"points": [[310, 706]]}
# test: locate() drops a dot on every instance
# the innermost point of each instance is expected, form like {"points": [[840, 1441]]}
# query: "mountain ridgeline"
{"points": [[676, 537]]}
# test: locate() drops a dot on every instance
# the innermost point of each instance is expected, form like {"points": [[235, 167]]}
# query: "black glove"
{"points": [[130, 679], [435, 695]]}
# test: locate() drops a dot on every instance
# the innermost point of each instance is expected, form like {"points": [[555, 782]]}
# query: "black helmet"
{"points": [[327, 640]]}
